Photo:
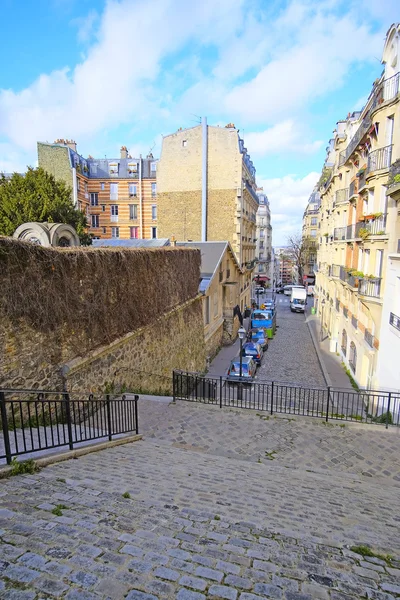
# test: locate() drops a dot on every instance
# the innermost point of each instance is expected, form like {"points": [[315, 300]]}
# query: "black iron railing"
{"points": [[369, 338], [354, 322], [353, 188], [345, 312], [339, 233], [370, 287], [365, 406], [394, 320], [35, 421], [380, 159], [337, 305]]}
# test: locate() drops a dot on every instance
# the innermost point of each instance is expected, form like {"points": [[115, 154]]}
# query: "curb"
{"points": [[319, 354], [56, 458]]}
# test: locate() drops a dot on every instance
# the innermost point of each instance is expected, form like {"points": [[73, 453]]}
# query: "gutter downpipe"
{"points": [[140, 197], [204, 180]]}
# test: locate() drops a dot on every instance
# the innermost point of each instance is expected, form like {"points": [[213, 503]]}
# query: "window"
{"points": [[114, 213], [78, 184], [132, 189], [344, 342], [115, 232], [104, 230], [132, 169], [94, 199], [103, 207], [133, 211], [153, 167], [86, 190], [95, 220], [154, 233], [102, 186], [215, 302], [207, 310], [154, 212], [315, 206], [353, 357], [134, 232], [93, 169], [113, 168], [261, 255], [153, 189], [313, 233], [113, 191], [313, 220], [184, 143]]}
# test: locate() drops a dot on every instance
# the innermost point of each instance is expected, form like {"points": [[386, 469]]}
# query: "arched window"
{"points": [[344, 342], [353, 356]]}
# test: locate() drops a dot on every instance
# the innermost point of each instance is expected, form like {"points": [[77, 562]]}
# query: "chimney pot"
{"points": [[124, 152]]}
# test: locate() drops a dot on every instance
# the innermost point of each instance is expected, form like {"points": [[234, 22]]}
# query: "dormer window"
{"points": [[132, 169], [113, 168], [153, 167]]}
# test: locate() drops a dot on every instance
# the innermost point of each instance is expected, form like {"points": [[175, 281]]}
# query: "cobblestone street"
{"points": [[291, 356], [211, 504]]}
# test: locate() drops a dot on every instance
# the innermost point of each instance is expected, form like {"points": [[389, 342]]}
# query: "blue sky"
{"points": [[124, 72]]}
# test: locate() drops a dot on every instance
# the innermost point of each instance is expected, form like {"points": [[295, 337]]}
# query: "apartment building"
{"points": [[287, 270], [265, 268], [357, 280], [310, 235], [118, 195], [207, 192]]}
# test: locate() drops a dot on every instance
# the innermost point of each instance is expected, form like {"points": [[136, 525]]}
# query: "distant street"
{"points": [[291, 356]]}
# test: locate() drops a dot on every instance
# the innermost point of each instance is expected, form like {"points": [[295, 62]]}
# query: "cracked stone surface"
{"points": [[205, 518]]}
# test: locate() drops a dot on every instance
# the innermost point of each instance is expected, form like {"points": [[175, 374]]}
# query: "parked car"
{"points": [[254, 350], [248, 370], [279, 289], [258, 335]]}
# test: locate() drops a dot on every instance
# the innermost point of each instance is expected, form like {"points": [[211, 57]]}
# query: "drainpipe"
{"points": [[204, 181], [140, 197]]}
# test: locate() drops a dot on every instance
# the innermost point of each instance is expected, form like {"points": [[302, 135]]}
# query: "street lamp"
{"points": [[242, 335], [322, 319]]}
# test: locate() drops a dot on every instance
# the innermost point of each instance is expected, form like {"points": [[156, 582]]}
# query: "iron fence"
{"points": [[34, 421], [364, 406]]}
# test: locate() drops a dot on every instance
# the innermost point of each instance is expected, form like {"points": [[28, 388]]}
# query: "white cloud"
{"points": [[288, 197], [86, 26], [287, 136]]}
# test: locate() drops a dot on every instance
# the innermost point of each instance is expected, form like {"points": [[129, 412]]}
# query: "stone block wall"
{"points": [[55, 160]]}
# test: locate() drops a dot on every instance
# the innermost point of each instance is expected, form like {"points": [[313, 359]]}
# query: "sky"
{"points": [[108, 73]]}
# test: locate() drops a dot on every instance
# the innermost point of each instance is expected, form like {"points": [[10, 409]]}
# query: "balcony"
{"points": [[337, 305], [335, 271], [339, 233], [380, 159], [353, 188], [341, 196], [345, 276], [394, 320], [354, 322], [386, 90], [369, 338], [370, 287], [362, 180], [345, 312], [252, 192], [376, 226], [355, 140]]}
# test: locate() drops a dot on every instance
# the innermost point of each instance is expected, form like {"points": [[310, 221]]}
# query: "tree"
{"points": [[38, 196], [299, 249]]}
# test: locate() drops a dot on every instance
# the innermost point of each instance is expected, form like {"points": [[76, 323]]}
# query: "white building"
{"points": [[265, 268]]}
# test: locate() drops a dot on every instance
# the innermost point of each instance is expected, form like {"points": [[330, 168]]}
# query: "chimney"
{"points": [[124, 152], [71, 144], [150, 156]]}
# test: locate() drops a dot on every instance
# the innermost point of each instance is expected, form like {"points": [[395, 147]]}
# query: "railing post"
{"points": [[272, 397], [173, 387], [220, 391], [69, 423], [388, 410], [4, 421], [136, 414], [327, 404], [109, 417]]}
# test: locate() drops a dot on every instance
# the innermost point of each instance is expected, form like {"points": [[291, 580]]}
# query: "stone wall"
{"points": [[165, 329], [55, 160]]}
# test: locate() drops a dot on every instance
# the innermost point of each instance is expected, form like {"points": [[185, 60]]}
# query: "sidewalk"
{"points": [[331, 364], [220, 363]]}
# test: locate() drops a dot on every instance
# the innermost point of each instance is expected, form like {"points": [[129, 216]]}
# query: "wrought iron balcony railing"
{"points": [[339, 233], [353, 188], [380, 159], [354, 322], [369, 338], [370, 287]]}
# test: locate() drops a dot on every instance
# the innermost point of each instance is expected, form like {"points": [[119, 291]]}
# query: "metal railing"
{"points": [[364, 406], [354, 322], [337, 305], [362, 180], [36, 421], [394, 320], [353, 188], [376, 226], [347, 278], [369, 338], [380, 159], [345, 312], [370, 287], [339, 233]]}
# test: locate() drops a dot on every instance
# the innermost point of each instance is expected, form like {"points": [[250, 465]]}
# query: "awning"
{"points": [[261, 278]]}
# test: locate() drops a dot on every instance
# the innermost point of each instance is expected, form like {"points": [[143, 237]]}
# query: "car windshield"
{"points": [[262, 316], [251, 350], [235, 368]]}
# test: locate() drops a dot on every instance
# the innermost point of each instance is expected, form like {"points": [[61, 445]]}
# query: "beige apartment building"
{"points": [[265, 264], [206, 191], [359, 232], [310, 236], [118, 195]]}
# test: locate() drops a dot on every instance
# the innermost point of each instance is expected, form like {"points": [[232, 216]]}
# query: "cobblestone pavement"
{"points": [[291, 356], [189, 513]]}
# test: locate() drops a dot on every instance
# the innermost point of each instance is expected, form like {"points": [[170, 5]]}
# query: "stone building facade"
{"points": [[360, 229], [310, 236], [231, 198], [265, 264], [118, 196]]}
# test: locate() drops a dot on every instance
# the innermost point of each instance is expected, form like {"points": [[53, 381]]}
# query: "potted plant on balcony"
{"points": [[377, 215], [364, 233]]}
